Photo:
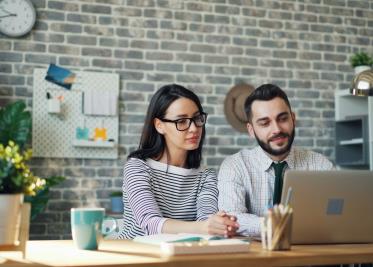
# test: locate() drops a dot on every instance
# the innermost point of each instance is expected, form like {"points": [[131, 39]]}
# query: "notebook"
{"points": [[181, 244], [330, 206]]}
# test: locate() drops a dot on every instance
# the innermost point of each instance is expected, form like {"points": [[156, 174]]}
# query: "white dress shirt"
{"points": [[246, 183]]}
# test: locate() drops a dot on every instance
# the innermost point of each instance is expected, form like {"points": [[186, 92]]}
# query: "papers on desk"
{"points": [[180, 244]]}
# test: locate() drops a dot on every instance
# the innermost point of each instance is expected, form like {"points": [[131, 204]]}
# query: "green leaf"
{"points": [[361, 59], [5, 169], [12, 184], [40, 200], [116, 194], [15, 124], [54, 180]]}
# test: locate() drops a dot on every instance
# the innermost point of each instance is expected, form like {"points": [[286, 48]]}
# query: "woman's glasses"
{"points": [[183, 124]]}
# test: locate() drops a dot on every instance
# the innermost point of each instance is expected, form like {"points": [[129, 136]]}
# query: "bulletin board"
{"points": [[54, 132]]}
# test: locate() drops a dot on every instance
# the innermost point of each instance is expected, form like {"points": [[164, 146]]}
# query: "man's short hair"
{"points": [[265, 92]]}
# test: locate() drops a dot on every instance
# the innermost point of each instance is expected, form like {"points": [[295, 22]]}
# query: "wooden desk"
{"points": [[128, 253]]}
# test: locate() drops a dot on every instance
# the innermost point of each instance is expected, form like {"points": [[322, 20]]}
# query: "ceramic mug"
{"points": [[86, 227]]}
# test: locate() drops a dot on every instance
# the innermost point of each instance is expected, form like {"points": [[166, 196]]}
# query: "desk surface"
{"points": [[129, 253]]}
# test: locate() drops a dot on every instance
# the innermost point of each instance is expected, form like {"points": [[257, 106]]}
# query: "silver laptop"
{"points": [[330, 206]]}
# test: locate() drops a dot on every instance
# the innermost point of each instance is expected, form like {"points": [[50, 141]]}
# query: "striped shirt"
{"points": [[154, 191], [246, 183]]}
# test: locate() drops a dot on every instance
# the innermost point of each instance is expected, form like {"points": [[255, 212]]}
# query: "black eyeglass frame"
{"points": [[190, 121]]}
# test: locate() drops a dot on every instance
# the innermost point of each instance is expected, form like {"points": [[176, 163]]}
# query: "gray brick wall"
{"points": [[208, 46]]}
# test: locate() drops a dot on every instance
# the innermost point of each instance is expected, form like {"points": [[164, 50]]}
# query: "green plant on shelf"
{"points": [[116, 194], [361, 59]]}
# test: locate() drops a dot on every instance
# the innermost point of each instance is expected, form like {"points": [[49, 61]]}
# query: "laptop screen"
{"points": [[330, 206]]}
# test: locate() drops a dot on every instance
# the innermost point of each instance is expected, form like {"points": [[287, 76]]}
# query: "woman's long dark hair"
{"points": [[152, 144]]}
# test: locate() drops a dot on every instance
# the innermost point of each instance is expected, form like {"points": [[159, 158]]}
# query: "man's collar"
{"points": [[265, 162], [290, 159]]}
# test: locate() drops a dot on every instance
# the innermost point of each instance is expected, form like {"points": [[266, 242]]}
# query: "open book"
{"points": [[179, 244]]}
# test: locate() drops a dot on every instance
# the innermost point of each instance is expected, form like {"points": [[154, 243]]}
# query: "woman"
{"points": [[164, 189]]}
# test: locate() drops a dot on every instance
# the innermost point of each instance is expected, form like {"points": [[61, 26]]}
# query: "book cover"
{"points": [[181, 244]]}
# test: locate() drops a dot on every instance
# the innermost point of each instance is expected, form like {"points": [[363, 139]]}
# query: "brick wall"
{"points": [[208, 46]]}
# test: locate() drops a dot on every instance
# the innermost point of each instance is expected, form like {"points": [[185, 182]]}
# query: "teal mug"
{"points": [[86, 227]]}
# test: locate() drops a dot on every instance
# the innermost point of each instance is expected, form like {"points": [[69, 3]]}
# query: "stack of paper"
{"points": [[100, 102], [180, 244]]}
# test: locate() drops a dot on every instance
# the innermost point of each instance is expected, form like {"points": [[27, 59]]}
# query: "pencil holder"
{"points": [[276, 228], [54, 105]]}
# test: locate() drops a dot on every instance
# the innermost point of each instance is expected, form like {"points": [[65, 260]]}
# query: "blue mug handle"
{"points": [[106, 230]]}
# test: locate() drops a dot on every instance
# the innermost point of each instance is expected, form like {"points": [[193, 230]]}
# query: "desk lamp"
{"points": [[362, 84]]}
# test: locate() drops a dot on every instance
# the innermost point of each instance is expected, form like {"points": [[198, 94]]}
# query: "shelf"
{"points": [[351, 141], [87, 143], [353, 163], [347, 105], [354, 130], [355, 141]]}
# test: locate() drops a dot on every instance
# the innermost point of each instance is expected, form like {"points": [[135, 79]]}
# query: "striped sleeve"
{"points": [[140, 197], [207, 200]]}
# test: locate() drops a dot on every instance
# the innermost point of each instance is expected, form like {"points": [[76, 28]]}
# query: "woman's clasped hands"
{"points": [[222, 224]]}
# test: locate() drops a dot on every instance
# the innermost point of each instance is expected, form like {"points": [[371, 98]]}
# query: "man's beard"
{"points": [[277, 152]]}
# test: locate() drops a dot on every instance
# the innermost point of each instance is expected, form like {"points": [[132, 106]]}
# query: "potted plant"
{"points": [[116, 201], [17, 181], [361, 61]]}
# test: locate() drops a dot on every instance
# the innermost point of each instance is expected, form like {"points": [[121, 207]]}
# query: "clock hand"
{"points": [[6, 11], [10, 15]]}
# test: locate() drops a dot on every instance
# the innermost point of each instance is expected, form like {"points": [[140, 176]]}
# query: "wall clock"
{"points": [[17, 17]]}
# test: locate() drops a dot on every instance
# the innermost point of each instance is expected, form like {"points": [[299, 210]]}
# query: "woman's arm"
{"points": [[148, 215], [207, 197], [217, 224], [140, 197], [209, 220]]}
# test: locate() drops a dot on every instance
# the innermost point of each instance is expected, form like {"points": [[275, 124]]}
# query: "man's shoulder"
{"points": [[307, 153], [313, 158]]}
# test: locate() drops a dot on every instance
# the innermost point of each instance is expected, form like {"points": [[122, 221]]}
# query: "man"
{"points": [[246, 180]]}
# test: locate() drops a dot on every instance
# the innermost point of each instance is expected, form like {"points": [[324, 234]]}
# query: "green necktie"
{"points": [[279, 171]]}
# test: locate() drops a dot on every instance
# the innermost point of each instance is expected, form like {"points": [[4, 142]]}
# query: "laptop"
{"points": [[330, 207]]}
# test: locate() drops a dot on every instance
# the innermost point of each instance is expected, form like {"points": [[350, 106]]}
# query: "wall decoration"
{"points": [[62, 128], [17, 17]]}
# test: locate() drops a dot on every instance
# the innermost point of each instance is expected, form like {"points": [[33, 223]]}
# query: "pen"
{"points": [[288, 196]]}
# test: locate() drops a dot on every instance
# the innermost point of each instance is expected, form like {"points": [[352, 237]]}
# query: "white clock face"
{"points": [[17, 17]]}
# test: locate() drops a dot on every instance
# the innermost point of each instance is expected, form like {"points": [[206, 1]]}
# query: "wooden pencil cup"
{"points": [[284, 241], [276, 228]]}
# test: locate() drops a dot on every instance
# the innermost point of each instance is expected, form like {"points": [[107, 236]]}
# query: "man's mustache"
{"points": [[279, 135]]}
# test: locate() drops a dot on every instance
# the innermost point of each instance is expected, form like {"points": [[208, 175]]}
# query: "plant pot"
{"points": [[116, 204], [10, 220], [362, 68]]}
